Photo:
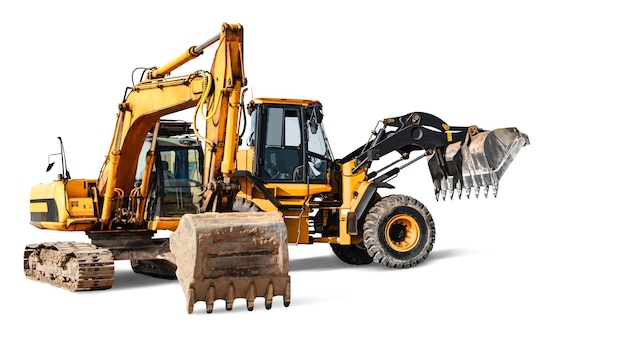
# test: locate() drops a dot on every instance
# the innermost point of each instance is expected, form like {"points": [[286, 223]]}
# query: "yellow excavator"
{"points": [[231, 210]]}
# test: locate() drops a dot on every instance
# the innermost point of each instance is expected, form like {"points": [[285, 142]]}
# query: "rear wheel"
{"points": [[398, 232], [355, 254], [159, 268]]}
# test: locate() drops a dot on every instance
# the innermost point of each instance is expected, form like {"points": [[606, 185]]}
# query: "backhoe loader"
{"points": [[231, 210]]}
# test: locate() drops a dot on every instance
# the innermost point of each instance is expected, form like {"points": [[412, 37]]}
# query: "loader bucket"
{"points": [[224, 256], [476, 164]]}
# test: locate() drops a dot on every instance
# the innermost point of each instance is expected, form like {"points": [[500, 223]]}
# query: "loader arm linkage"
{"points": [[460, 158]]}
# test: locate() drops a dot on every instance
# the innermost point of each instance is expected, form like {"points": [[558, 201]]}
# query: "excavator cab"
{"points": [[176, 177]]}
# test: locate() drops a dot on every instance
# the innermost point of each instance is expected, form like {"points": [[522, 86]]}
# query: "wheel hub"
{"points": [[402, 233], [397, 232]]}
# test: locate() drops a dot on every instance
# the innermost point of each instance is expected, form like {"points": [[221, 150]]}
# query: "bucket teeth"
{"points": [[483, 186], [269, 295], [250, 296], [230, 297], [448, 189], [475, 166], [210, 299], [237, 289]]}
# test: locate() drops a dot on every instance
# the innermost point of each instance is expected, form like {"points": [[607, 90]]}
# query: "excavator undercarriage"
{"points": [[74, 266]]}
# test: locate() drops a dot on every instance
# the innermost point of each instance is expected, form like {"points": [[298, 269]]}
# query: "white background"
{"points": [[538, 268]]}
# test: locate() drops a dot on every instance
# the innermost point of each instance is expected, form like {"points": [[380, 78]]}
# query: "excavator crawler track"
{"points": [[74, 266]]}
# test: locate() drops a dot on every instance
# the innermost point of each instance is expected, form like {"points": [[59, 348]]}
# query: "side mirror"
{"points": [[313, 126], [65, 175], [318, 114], [315, 119]]}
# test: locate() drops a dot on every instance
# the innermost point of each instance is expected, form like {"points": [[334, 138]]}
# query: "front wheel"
{"points": [[399, 232]]}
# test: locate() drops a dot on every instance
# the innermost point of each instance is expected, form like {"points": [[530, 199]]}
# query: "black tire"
{"points": [[159, 268], [399, 232], [354, 254]]}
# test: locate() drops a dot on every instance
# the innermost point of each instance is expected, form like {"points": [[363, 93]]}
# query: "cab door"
{"points": [[280, 142]]}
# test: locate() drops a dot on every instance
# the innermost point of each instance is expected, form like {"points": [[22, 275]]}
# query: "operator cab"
{"points": [[176, 178], [289, 141]]}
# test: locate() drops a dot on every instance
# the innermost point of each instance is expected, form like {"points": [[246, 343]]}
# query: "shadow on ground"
{"points": [[128, 279], [125, 278], [331, 262]]}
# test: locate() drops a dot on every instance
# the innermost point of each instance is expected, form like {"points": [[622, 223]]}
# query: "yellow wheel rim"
{"points": [[402, 233]]}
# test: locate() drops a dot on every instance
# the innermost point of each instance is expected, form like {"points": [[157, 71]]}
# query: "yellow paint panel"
{"points": [[82, 206], [163, 223], [39, 207]]}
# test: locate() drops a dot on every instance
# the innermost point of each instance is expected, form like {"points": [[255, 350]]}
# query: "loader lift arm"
{"points": [[410, 132], [460, 158]]}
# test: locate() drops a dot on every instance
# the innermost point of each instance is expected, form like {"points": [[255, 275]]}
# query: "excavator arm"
{"points": [[219, 255], [216, 95]]}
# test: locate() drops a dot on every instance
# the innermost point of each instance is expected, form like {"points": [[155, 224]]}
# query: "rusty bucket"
{"points": [[225, 256]]}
